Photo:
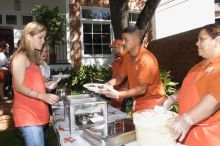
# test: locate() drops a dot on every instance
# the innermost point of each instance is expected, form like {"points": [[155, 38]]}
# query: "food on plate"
{"points": [[91, 86], [69, 139], [101, 86], [95, 86], [60, 128]]}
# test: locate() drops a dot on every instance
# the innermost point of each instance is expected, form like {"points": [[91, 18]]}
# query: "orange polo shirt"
{"points": [[201, 80], [115, 72], [208, 80], [144, 70]]}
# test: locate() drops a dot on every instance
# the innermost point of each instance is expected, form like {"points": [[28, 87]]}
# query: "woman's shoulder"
{"points": [[20, 57], [2, 56], [21, 54], [198, 65]]}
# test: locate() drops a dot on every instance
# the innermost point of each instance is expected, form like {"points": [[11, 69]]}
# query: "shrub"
{"points": [[101, 74], [82, 75], [169, 86]]}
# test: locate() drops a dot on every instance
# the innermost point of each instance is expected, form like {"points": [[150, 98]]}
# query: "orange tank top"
{"points": [[28, 111]]}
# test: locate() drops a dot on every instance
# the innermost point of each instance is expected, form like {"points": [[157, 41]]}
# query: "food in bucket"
{"points": [[153, 127]]}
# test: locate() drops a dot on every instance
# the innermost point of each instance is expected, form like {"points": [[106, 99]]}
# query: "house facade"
{"points": [[15, 14], [88, 26], [88, 32], [91, 30]]}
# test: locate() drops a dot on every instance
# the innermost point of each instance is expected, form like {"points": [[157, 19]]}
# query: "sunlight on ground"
{"points": [[4, 126], [8, 101]]}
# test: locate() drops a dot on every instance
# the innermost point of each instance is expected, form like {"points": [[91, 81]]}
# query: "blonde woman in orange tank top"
{"points": [[199, 96], [30, 109]]}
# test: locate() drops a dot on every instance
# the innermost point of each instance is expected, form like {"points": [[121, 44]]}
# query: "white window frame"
{"points": [[132, 11], [98, 21], [33, 18], [17, 19]]}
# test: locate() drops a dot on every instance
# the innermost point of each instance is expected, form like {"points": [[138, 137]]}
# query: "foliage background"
{"points": [[101, 74]]}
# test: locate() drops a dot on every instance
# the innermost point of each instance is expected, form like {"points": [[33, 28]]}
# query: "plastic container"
{"points": [[153, 127]]}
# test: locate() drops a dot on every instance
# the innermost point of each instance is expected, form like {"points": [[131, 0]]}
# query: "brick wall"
{"points": [[177, 53]]}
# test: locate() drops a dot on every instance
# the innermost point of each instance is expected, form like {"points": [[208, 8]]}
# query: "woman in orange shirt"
{"points": [[30, 109], [199, 96]]}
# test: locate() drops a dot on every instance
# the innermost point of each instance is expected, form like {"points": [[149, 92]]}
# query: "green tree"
{"points": [[54, 20], [146, 15]]}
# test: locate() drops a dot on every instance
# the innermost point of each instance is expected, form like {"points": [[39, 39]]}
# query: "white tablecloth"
{"points": [[61, 128]]}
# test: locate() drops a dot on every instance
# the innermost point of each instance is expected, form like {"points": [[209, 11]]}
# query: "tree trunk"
{"points": [[146, 15], [119, 16]]}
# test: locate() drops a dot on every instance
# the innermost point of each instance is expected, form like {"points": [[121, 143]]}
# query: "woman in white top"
{"points": [[3, 66], [44, 58], [3, 57]]}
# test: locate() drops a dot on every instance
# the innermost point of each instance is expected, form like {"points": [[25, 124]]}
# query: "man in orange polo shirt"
{"points": [[141, 68], [117, 47]]}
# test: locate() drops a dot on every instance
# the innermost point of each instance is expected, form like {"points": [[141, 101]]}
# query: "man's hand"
{"points": [[109, 92], [107, 85]]}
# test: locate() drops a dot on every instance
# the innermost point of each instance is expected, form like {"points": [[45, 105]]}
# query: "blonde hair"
{"points": [[45, 45], [32, 28]]}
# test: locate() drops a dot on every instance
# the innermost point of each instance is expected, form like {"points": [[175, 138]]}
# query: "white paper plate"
{"points": [[98, 128], [61, 76], [95, 86]]}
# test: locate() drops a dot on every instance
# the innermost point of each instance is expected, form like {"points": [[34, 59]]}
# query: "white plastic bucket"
{"points": [[153, 128]]}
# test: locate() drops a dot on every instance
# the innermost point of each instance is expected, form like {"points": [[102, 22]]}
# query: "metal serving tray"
{"points": [[80, 108], [119, 132]]}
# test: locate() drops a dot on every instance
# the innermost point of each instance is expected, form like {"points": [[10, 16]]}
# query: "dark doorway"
{"points": [[8, 36]]}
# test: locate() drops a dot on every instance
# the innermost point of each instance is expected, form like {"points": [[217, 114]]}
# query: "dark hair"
{"points": [[134, 30], [213, 30], [3, 44]]}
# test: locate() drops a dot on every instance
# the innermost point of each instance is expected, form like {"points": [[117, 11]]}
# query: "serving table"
{"points": [[62, 128]]}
